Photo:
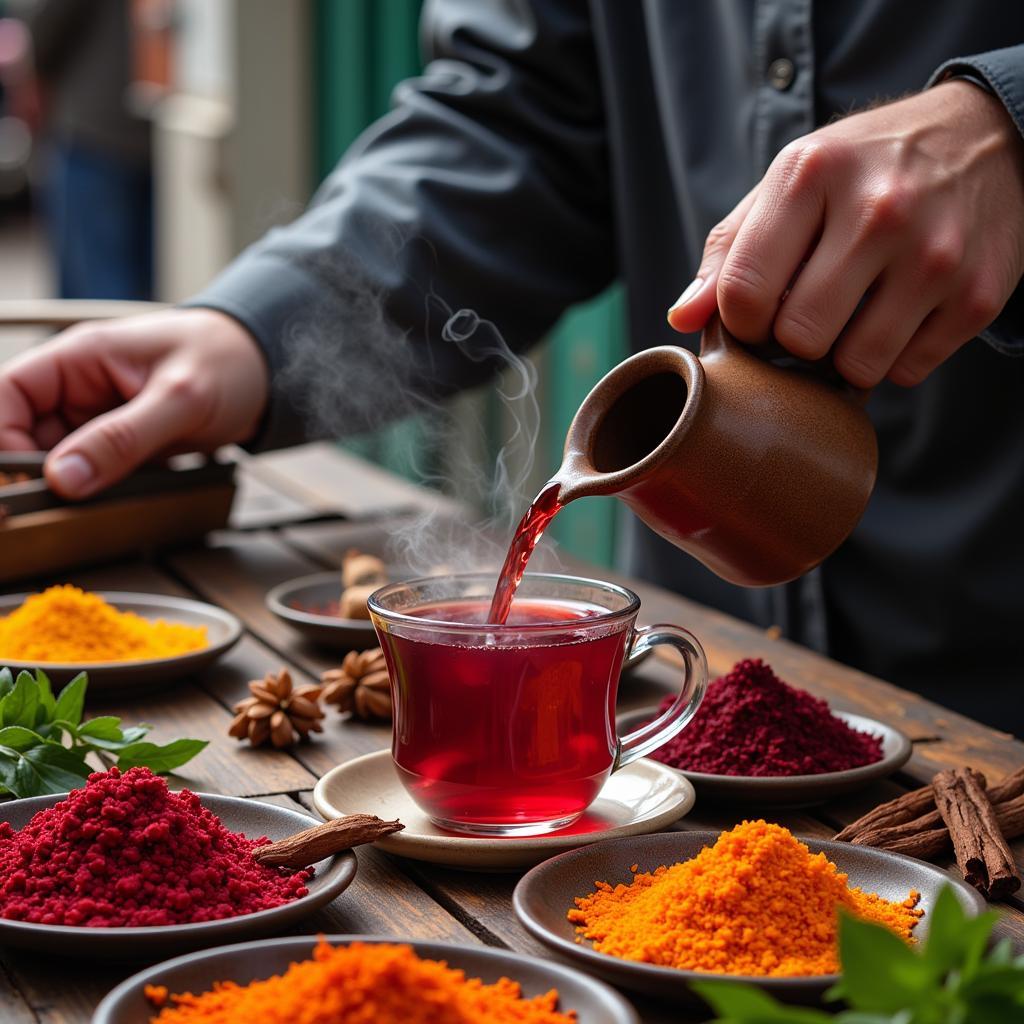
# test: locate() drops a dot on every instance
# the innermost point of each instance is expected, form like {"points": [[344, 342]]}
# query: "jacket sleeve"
{"points": [[485, 188], [1003, 72]]}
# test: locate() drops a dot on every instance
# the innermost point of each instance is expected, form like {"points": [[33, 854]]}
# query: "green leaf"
{"points": [[6, 682], [47, 703], [955, 940], [19, 706], [8, 761], [740, 1003], [881, 974], [17, 737], [159, 759], [47, 768], [105, 727], [72, 700]]}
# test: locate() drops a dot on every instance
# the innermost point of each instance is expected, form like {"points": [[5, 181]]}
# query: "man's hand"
{"points": [[108, 396], [915, 208]]}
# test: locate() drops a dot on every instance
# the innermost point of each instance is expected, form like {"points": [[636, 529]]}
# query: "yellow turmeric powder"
{"points": [[756, 903], [65, 624], [362, 984]]}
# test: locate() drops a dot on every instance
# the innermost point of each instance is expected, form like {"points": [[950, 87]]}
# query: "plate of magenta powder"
{"points": [[756, 739], [128, 870]]}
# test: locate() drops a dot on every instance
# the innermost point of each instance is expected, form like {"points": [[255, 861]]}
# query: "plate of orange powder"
{"points": [[754, 903], [122, 640], [343, 977]]}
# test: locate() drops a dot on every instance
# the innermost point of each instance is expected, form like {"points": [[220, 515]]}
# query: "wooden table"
{"points": [[391, 896]]}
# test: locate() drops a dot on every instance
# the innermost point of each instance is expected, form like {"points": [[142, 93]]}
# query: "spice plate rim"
{"points": [[614, 1001], [655, 978], [336, 874]]}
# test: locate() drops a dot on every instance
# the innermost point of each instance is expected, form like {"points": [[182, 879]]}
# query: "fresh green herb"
{"points": [[948, 979], [44, 742]]}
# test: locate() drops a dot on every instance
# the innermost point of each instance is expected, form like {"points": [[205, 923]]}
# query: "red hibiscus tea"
{"points": [[509, 729], [506, 729]]}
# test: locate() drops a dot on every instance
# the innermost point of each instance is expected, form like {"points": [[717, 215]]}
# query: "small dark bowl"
{"points": [[289, 600], [134, 945], [545, 895], [793, 790], [594, 1002]]}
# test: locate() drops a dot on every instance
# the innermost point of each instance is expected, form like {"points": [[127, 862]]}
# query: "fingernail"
{"points": [[72, 473], [691, 289]]}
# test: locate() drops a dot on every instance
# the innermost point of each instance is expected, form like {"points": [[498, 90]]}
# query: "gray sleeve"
{"points": [[1003, 72], [485, 188]]}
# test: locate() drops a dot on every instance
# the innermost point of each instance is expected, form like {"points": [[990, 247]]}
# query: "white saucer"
{"points": [[641, 798]]}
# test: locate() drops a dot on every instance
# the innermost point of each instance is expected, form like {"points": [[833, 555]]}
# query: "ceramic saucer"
{"points": [[642, 797], [793, 790]]}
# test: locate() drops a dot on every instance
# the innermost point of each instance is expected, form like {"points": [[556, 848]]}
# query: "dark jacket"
{"points": [[553, 145]]}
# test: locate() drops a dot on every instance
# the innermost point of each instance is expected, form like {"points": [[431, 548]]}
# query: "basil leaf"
{"points": [[6, 682], [954, 940], [105, 727], [19, 706], [881, 974], [159, 759], [48, 768], [17, 737], [740, 1003], [72, 700], [47, 703], [8, 760]]}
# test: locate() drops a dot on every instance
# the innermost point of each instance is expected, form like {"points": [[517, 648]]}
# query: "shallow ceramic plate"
{"points": [[793, 790], [593, 1001], [290, 602], [253, 818], [545, 895], [222, 633], [640, 798]]}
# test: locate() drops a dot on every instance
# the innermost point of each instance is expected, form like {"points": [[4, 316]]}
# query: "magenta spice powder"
{"points": [[752, 723], [126, 852]]}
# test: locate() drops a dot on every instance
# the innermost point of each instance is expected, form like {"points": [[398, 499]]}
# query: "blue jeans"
{"points": [[100, 212]]}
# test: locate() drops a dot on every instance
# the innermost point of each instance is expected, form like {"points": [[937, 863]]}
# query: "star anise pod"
{"points": [[277, 711], [361, 685]]}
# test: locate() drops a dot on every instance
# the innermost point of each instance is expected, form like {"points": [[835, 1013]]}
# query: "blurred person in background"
{"points": [[551, 146], [97, 177]]}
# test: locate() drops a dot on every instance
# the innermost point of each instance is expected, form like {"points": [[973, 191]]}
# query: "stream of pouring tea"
{"points": [[529, 531]]}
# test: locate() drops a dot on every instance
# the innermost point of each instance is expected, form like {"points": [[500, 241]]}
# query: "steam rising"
{"points": [[365, 373]]}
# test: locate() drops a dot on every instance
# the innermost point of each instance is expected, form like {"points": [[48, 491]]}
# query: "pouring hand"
{"points": [[107, 396], [915, 209]]}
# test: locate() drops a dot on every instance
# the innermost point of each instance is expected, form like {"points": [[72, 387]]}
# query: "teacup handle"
{"points": [[695, 682]]}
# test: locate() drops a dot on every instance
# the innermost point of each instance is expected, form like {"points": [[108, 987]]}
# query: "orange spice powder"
{"points": [[362, 984], [758, 902]]}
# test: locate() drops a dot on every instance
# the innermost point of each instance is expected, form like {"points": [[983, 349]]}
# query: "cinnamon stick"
{"points": [[979, 845], [320, 841], [918, 806]]}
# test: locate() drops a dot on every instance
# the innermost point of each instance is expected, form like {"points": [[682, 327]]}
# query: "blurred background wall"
{"points": [[244, 106]]}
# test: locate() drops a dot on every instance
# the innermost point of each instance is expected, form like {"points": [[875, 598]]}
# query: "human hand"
{"points": [[108, 396], [916, 207]]}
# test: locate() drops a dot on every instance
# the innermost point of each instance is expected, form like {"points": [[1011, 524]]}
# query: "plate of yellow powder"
{"points": [[122, 640], [655, 912]]}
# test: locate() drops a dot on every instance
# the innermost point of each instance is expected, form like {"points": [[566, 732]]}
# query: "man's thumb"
{"points": [[699, 300], [109, 447]]}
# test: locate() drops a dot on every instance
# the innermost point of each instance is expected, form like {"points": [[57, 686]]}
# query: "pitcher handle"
{"points": [[695, 682]]}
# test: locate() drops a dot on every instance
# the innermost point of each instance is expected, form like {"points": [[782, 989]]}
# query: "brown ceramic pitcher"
{"points": [[758, 470]]}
